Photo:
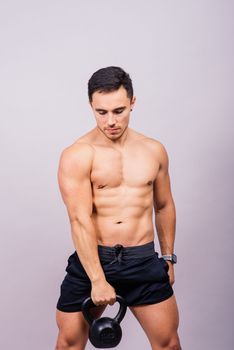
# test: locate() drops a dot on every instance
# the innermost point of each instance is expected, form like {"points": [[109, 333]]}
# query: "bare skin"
{"points": [[111, 181]]}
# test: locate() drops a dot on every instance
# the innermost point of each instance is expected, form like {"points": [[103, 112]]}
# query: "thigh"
{"points": [[159, 321], [73, 328]]}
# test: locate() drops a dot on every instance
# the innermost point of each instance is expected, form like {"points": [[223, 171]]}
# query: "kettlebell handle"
{"points": [[88, 302]]}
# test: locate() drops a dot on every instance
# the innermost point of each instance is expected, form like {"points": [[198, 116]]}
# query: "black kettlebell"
{"points": [[104, 332]]}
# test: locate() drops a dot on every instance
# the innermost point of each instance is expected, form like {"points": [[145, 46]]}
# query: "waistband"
{"points": [[118, 251]]}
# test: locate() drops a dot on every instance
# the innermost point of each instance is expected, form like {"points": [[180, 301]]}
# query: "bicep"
{"points": [[162, 186], [74, 183]]}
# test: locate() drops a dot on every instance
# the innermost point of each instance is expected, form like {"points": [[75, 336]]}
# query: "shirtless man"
{"points": [[110, 180]]}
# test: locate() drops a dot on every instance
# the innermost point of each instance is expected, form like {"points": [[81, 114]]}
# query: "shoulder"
{"points": [[154, 145], [77, 155], [158, 150]]}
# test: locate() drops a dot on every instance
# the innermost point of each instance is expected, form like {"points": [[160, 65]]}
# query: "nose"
{"points": [[111, 120]]}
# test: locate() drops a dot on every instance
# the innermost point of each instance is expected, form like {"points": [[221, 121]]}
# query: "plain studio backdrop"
{"points": [[180, 57]]}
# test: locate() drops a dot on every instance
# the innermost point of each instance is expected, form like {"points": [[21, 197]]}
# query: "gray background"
{"points": [[180, 57]]}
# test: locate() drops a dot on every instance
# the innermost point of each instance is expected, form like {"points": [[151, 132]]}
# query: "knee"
{"points": [[63, 345], [67, 344], [174, 345]]}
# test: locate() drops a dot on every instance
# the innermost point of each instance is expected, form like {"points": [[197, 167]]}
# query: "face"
{"points": [[112, 111]]}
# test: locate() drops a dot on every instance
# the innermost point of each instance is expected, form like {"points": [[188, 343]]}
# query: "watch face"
{"points": [[174, 258]]}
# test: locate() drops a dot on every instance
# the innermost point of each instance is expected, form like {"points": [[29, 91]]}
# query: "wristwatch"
{"points": [[172, 258]]}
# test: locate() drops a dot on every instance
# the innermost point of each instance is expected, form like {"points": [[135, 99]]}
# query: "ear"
{"points": [[133, 102]]}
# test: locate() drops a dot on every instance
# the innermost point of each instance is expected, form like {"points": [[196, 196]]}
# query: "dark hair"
{"points": [[109, 79]]}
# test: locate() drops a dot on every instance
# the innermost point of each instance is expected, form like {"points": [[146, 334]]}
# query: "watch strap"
{"points": [[170, 257]]}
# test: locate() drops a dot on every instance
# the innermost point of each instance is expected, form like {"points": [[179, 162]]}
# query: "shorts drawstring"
{"points": [[118, 254]]}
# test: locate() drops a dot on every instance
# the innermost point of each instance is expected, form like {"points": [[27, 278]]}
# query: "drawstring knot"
{"points": [[118, 254]]}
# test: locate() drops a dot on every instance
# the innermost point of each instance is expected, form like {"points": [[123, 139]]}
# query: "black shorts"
{"points": [[135, 272]]}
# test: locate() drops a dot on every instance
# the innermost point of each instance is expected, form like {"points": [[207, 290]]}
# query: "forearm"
{"points": [[85, 241], [165, 222]]}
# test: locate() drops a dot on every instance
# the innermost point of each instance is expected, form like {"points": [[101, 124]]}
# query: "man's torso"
{"points": [[122, 188]]}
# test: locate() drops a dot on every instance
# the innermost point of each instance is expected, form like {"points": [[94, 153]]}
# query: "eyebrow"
{"points": [[114, 110]]}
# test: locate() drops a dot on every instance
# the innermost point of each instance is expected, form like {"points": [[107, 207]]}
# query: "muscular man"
{"points": [[110, 180]]}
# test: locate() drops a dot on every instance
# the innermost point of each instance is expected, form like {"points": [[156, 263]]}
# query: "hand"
{"points": [[102, 293], [171, 272]]}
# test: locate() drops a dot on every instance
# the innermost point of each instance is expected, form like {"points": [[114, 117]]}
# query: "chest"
{"points": [[134, 167]]}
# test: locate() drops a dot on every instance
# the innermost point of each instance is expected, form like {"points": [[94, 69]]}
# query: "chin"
{"points": [[113, 137]]}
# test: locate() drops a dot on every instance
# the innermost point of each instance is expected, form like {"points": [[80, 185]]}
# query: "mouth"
{"points": [[112, 130]]}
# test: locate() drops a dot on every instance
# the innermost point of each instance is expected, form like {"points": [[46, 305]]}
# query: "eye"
{"points": [[119, 111], [102, 113]]}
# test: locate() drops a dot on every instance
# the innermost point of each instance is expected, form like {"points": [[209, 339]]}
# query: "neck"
{"points": [[117, 143]]}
